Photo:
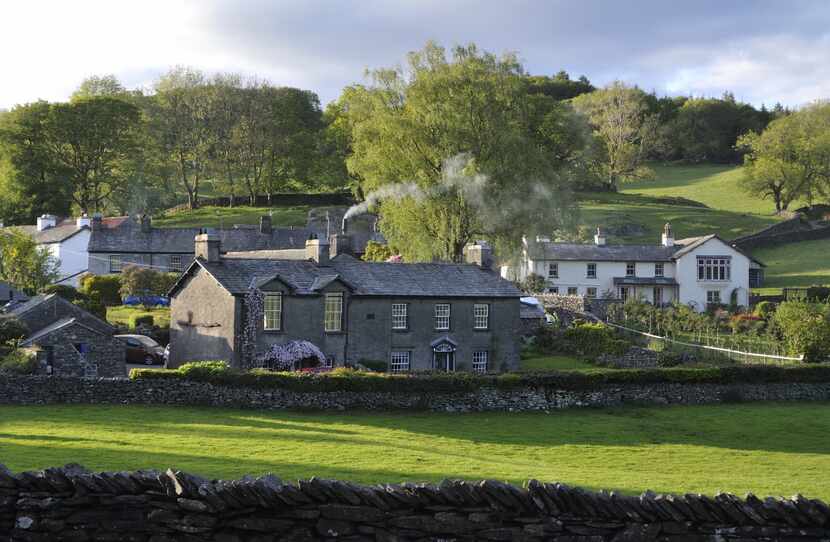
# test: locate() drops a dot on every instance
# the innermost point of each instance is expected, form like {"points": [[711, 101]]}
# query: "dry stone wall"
{"points": [[45, 390], [72, 504]]}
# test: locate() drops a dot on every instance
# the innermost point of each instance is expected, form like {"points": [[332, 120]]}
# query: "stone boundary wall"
{"points": [[34, 390], [789, 231], [283, 199], [635, 358], [73, 504]]}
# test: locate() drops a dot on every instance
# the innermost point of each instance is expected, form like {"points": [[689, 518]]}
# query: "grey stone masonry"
{"points": [[30, 390], [73, 504]]}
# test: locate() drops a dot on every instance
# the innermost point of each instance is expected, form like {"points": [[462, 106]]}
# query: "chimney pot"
{"points": [[44, 222], [667, 239], [208, 247], [83, 221], [599, 237]]}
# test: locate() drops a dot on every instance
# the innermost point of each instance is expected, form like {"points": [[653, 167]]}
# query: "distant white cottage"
{"points": [[696, 271]]}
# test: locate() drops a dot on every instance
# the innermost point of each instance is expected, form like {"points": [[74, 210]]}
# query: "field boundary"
{"points": [[275, 200], [168, 505]]}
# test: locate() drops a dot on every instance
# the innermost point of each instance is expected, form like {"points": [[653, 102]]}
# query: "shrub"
{"points": [[746, 323], [102, 289], [547, 339], [764, 309], [204, 370], [374, 365], [591, 340], [136, 320], [805, 329], [533, 283], [11, 330], [18, 362], [64, 290]]}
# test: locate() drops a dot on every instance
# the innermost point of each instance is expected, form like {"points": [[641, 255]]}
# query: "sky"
{"points": [[762, 51]]}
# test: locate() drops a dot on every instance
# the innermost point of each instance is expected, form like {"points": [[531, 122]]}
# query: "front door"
{"points": [[444, 361]]}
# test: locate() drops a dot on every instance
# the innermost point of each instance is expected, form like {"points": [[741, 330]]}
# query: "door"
{"points": [[658, 296], [444, 361]]}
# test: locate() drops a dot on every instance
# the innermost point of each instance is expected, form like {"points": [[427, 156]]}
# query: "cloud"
{"points": [[762, 50]]}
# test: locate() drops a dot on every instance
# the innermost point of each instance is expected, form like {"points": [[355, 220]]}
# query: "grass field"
{"points": [[767, 448], [797, 264], [121, 315], [226, 217], [539, 362]]}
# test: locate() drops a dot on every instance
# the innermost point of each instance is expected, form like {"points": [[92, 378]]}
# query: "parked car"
{"points": [[143, 349]]}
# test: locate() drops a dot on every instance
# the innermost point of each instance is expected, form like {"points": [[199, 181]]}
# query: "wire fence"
{"points": [[738, 349]]}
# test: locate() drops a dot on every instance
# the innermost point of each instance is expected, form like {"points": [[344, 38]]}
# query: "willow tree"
{"points": [[473, 152]]}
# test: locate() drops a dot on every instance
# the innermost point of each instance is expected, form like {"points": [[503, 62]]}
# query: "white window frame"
{"points": [[591, 293], [573, 290], [442, 316], [116, 262], [481, 359], [481, 316], [175, 262], [553, 270], [591, 270], [333, 312], [554, 290], [713, 294], [400, 361], [400, 316], [272, 316], [630, 269], [659, 270], [714, 268]]}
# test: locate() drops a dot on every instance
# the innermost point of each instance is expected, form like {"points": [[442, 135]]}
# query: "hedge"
{"points": [[357, 381]]}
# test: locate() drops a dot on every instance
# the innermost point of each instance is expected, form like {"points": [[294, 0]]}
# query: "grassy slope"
{"points": [[797, 264], [218, 217], [764, 448], [121, 315], [538, 362]]}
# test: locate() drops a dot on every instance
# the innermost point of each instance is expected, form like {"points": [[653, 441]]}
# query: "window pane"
{"points": [[399, 316], [334, 312], [481, 316], [480, 361], [273, 311], [399, 362], [442, 316]]}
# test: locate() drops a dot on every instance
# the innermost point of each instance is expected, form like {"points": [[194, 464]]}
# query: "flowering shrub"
{"points": [[291, 356]]}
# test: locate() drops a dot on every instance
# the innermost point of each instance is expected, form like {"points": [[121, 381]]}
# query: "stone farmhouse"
{"points": [[427, 316], [696, 271], [66, 241], [68, 340]]}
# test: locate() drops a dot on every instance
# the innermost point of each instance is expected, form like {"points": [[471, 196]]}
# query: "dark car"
{"points": [[143, 349]]}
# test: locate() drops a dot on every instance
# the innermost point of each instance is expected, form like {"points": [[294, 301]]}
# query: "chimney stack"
{"points": [[207, 247], [340, 243], [146, 224], [668, 236], [97, 221], [317, 250], [83, 221], [44, 222], [265, 224], [599, 237], [479, 253]]}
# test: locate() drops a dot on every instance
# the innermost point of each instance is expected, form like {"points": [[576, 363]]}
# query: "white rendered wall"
{"points": [[694, 291], [72, 254]]}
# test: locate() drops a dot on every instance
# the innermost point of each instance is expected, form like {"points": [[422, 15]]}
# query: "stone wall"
{"points": [[789, 231], [46, 390], [72, 504], [635, 358]]}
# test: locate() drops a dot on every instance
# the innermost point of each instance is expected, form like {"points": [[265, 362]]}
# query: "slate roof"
{"points": [[89, 319], [129, 238], [56, 234], [364, 278], [55, 326]]}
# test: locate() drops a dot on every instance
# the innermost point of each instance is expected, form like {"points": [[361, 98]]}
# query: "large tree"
{"points": [[625, 130], [24, 264], [456, 148], [790, 160]]}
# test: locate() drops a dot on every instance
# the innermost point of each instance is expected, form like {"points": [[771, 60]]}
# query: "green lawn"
{"points": [[610, 209], [539, 362], [796, 264], [714, 185], [226, 217], [121, 315], [772, 448]]}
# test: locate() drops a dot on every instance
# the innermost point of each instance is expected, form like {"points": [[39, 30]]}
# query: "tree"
{"points": [[805, 328], [24, 264], [448, 145], [625, 131], [706, 129], [377, 252], [90, 141], [791, 158], [99, 85]]}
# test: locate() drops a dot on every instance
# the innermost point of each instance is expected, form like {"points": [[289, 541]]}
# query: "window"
{"points": [[273, 312], [334, 312], [553, 290], [630, 269], [572, 290], [591, 271], [658, 270], [480, 361], [176, 263], [399, 362], [713, 267], [328, 363], [115, 263], [399, 316], [658, 295], [713, 296], [553, 270], [481, 316], [624, 293], [442, 316], [591, 293]]}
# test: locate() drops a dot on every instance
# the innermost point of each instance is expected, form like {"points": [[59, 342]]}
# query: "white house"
{"points": [[694, 271], [67, 242]]}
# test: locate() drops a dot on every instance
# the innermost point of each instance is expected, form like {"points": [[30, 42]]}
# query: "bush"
{"points": [[12, 330], [136, 320], [18, 362], [374, 365], [547, 339], [805, 329], [533, 283], [102, 290], [356, 381], [592, 340], [764, 309], [63, 290]]}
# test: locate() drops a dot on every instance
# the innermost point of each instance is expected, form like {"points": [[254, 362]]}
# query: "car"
{"points": [[142, 349]]}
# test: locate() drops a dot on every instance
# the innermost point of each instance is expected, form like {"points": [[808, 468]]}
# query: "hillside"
{"points": [[226, 217]]}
